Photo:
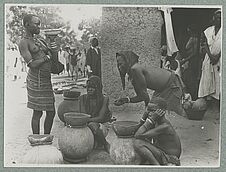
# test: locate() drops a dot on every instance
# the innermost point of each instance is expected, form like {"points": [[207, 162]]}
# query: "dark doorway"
{"points": [[183, 17], [199, 19]]}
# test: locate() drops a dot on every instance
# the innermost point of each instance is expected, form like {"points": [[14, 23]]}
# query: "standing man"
{"points": [[39, 87], [93, 58]]}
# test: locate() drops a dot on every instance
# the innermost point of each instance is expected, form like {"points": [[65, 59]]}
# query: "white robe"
{"points": [[210, 79], [170, 40]]}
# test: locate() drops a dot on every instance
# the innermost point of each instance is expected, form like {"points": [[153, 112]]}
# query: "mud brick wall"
{"points": [[128, 28]]}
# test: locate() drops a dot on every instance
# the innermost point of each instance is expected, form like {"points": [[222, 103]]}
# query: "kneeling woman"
{"points": [[96, 104]]}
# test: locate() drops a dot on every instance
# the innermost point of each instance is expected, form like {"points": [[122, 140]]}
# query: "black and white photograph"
{"points": [[95, 85]]}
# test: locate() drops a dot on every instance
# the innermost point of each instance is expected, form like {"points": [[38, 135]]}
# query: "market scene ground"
{"points": [[200, 139]]}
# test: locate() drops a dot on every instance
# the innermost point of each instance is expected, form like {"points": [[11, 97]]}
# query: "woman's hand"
{"points": [[156, 115], [139, 136], [214, 58]]}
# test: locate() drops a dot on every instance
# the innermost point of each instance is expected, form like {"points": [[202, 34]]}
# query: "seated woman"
{"points": [[156, 140], [96, 104]]}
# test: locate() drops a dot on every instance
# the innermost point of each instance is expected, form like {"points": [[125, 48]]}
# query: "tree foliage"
{"points": [[50, 19], [90, 28]]}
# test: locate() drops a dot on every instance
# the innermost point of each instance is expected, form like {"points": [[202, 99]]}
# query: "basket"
{"points": [[37, 139]]}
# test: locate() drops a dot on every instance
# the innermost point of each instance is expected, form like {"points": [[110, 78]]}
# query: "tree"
{"points": [[90, 28], [49, 20]]}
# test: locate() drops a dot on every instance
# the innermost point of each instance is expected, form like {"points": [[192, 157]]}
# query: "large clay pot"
{"points": [[42, 152], [121, 150], [76, 141], [69, 104], [125, 129], [199, 105], [123, 153], [197, 109]]}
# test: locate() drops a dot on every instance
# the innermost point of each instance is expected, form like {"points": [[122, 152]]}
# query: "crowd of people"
{"points": [[156, 140]]}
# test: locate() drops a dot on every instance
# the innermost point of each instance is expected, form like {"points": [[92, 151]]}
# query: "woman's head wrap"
{"points": [[130, 59], [95, 82]]}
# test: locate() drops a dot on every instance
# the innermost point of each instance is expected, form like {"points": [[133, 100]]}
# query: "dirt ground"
{"points": [[200, 139]]}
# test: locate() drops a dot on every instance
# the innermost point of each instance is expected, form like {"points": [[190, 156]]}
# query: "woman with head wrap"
{"points": [[166, 84], [96, 104], [210, 79]]}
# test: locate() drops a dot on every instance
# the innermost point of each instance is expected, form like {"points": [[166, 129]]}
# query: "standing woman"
{"points": [[191, 62], [209, 86], [39, 86]]}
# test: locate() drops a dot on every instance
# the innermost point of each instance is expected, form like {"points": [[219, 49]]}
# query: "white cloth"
{"points": [[210, 79], [170, 40], [61, 57], [96, 49]]}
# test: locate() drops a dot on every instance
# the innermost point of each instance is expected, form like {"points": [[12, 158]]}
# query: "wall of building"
{"points": [[128, 28]]}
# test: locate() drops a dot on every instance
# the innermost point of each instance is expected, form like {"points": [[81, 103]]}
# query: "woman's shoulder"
{"points": [[23, 42]]}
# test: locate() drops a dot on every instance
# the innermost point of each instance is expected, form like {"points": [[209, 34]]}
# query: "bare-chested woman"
{"points": [[165, 148], [166, 84], [39, 86]]}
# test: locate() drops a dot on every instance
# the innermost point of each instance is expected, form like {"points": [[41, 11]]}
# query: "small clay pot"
{"points": [[75, 119], [125, 128], [69, 104], [195, 114], [71, 93]]}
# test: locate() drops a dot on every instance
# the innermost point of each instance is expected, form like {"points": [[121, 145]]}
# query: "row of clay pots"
{"points": [[76, 140]]}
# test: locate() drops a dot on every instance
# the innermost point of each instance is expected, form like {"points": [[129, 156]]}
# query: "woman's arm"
{"points": [[101, 116], [140, 86], [193, 50], [153, 132], [25, 53]]}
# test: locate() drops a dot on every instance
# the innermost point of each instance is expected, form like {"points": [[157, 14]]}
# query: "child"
{"points": [[156, 140]]}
